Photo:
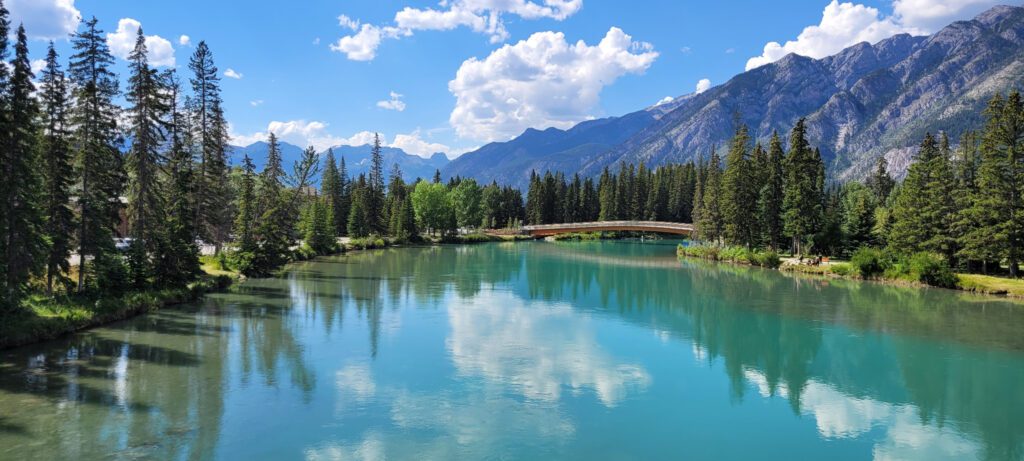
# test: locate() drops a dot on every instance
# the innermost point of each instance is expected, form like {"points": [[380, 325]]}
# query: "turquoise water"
{"points": [[597, 350]]}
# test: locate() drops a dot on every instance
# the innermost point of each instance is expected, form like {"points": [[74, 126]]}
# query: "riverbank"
{"points": [[913, 273], [46, 318]]}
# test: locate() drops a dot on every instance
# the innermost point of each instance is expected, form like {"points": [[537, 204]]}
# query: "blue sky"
{"points": [[454, 75]]}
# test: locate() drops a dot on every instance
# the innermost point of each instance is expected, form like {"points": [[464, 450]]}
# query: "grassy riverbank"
{"points": [[920, 269], [47, 318], [730, 254]]}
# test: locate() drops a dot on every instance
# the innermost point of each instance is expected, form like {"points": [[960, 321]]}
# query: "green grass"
{"points": [[991, 285], [46, 318], [733, 254], [215, 266]]}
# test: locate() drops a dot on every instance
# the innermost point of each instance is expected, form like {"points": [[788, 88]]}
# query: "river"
{"points": [[535, 350]]}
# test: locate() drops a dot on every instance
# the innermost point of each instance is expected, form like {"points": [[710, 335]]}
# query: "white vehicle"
{"points": [[122, 244]]}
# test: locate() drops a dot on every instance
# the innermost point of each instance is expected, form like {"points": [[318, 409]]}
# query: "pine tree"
{"points": [[606, 191], [99, 163], [58, 173], [318, 227], [880, 182], [996, 206], [739, 192], [147, 112], [346, 198], [697, 211], [332, 189], [375, 195], [245, 220], [212, 193], [966, 168], [858, 215], [275, 223], [770, 202], [24, 240], [177, 256], [912, 220], [359, 218], [803, 188], [712, 223]]}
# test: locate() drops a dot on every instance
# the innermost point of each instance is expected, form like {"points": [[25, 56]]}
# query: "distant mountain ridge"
{"points": [[357, 159], [861, 103]]}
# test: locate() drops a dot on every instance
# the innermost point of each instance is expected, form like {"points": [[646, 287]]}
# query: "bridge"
{"points": [[609, 226]]}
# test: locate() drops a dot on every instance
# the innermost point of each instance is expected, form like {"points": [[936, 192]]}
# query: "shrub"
{"points": [[242, 261], [869, 262], [367, 243], [304, 253], [769, 259], [478, 238], [932, 269]]}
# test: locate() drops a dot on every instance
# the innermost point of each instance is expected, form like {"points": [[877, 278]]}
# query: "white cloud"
{"points": [[730, 50], [184, 40], [314, 133], [570, 359], [846, 24], [481, 16], [665, 100], [348, 23], [395, 103], [37, 66], [256, 102], [932, 15], [703, 85], [45, 19], [298, 132], [542, 81], [231, 73], [122, 42], [411, 143], [361, 138], [363, 45], [686, 50], [316, 41]]}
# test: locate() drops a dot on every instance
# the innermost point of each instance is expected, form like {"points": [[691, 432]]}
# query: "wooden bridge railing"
{"points": [[610, 226]]}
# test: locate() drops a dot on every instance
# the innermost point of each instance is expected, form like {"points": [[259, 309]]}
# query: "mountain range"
{"points": [[866, 101], [357, 159]]}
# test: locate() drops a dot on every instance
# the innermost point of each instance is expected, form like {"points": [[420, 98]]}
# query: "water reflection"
{"points": [[528, 350]]}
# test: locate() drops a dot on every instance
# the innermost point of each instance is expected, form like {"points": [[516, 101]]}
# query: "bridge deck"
{"points": [[610, 226]]}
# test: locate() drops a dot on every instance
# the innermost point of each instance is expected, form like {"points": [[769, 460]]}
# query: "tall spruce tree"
{"points": [[803, 188], [997, 208], [606, 192], [147, 113], [24, 239], [58, 172], [375, 198], [770, 202], [740, 192], [711, 225], [276, 222], [697, 210], [359, 219], [99, 163], [913, 222], [245, 220], [346, 197], [332, 189], [213, 196], [177, 257], [880, 182]]}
